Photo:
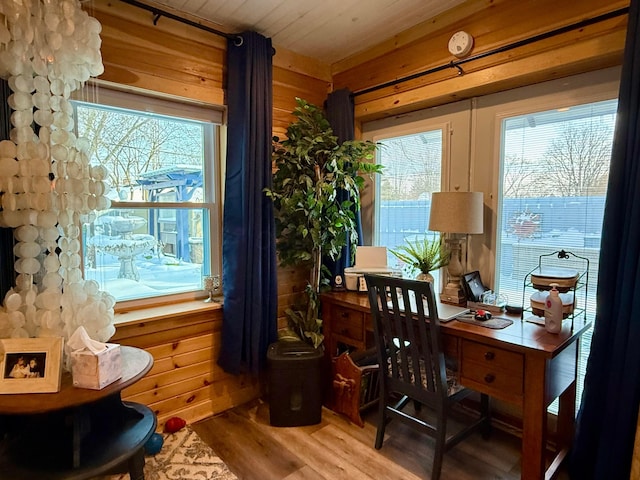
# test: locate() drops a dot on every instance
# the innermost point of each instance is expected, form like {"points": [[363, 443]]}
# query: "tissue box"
{"points": [[96, 370]]}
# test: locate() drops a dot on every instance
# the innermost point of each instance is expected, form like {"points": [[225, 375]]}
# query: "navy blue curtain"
{"points": [[7, 275], [248, 244], [339, 110], [607, 418]]}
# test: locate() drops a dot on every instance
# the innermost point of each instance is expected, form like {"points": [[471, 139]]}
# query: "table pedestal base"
{"points": [[77, 443]]}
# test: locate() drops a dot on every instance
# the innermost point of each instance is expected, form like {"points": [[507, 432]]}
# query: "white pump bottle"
{"points": [[553, 311]]}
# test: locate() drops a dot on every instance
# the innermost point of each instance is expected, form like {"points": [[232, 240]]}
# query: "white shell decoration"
{"points": [[48, 50]]}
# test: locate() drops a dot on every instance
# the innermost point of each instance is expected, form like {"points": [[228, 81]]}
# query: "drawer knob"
{"points": [[489, 355], [489, 377], [344, 314]]}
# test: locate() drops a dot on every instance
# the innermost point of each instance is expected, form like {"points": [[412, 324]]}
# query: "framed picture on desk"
{"points": [[30, 365]]}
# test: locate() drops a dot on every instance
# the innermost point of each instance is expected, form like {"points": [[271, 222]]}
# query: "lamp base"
{"points": [[454, 296]]}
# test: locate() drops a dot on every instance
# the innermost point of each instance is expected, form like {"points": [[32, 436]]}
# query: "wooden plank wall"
{"points": [[493, 23], [177, 60], [185, 380], [174, 59]]}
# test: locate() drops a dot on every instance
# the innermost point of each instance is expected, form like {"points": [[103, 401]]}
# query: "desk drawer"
{"points": [[494, 358], [348, 323], [492, 370]]}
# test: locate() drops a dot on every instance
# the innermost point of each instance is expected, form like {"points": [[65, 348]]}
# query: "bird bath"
{"points": [[117, 239]]}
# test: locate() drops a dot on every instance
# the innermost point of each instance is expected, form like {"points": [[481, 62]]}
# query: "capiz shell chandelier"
{"points": [[48, 49]]}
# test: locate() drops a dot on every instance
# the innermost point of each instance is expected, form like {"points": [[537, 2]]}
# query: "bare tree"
{"points": [[579, 160], [428, 162], [412, 168], [393, 183], [520, 180], [129, 145]]}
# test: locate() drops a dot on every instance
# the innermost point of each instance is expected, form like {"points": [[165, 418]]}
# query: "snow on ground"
{"points": [[158, 276]]}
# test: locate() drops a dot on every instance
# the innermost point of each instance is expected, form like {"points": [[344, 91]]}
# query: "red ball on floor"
{"points": [[174, 424]]}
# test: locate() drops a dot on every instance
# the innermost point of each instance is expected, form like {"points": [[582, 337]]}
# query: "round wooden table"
{"points": [[77, 433]]}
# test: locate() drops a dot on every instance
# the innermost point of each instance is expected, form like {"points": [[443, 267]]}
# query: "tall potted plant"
{"points": [[312, 220]]}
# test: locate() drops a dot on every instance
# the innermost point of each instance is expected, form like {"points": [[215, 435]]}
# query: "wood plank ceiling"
{"points": [[327, 30]]}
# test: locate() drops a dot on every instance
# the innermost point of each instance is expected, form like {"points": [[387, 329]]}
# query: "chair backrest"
{"points": [[408, 338]]}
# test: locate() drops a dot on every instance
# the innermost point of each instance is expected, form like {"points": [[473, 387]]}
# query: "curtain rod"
{"points": [[157, 12], [456, 63]]}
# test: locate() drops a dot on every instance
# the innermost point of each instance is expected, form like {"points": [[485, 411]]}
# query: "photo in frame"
{"points": [[30, 365]]}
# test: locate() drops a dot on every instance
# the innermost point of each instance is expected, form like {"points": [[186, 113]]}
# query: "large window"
{"points": [[412, 171], [550, 146], [555, 166], [159, 236], [422, 152]]}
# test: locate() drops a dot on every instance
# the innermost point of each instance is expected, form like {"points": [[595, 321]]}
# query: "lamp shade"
{"points": [[456, 212]]}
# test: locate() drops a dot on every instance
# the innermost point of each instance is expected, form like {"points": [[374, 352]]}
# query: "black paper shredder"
{"points": [[295, 391]]}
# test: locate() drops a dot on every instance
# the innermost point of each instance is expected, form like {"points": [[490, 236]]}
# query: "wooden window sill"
{"points": [[162, 312]]}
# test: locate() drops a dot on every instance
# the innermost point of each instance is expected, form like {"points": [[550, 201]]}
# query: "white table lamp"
{"points": [[459, 214]]}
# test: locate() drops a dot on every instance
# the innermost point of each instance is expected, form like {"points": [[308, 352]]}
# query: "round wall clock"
{"points": [[460, 44]]}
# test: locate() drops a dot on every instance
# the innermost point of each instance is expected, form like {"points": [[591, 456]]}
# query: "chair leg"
{"points": [[485, 411], [382, 420], [441, 435]]}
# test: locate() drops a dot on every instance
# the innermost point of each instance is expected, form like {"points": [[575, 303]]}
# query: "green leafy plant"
{"points": [[424, 254], [311, 219]]}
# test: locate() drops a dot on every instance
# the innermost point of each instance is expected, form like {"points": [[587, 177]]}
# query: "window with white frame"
{"points": [[421, 152], [550, 149], [412, 171], [555, 168], [160, 235]]}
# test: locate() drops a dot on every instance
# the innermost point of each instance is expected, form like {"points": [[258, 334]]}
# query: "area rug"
{"points": [[184, 456]]}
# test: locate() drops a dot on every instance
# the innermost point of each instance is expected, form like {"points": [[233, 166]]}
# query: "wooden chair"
{"points": [[409, 345]]}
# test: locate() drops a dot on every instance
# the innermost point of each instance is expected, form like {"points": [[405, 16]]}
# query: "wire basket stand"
{"points": [[555, 259]]}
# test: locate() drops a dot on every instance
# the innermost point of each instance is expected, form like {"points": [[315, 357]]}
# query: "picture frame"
{"points": [[30, 365]]}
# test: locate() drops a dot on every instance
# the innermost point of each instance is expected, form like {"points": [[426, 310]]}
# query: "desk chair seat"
{"points": [[409, 343], [453, 386]]}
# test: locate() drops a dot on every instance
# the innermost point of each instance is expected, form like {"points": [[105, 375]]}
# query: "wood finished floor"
{"points": [[337, 449]]}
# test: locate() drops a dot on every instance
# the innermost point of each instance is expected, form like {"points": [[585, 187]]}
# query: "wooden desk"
{"points": [[76, 433], [521, 364]]}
